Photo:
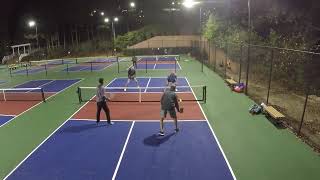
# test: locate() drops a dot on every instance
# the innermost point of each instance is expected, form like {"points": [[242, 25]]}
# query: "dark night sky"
{"points": [[15, 13]]}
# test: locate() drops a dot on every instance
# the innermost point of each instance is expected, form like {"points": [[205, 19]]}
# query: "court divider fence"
{"points": [[287, 79]]}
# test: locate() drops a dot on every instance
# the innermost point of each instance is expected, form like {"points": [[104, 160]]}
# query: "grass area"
{"points": [[255, 148]]}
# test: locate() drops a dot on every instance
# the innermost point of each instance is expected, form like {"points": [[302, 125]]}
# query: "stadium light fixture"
{"points": [[116, 19], [102, 13], [31, 23], [189, 3], [132, 4], [106, 20]]}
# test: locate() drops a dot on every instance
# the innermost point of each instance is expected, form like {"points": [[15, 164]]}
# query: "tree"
{"points": [[211, 28]]}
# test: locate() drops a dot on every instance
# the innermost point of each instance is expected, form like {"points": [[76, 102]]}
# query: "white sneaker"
{"points": [[124, 90], [111, 123]]}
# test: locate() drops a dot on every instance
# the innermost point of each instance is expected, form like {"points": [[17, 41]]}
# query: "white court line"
{"points": [[40, 103], [147, 120], [215, 137], [43, 141], [7, 115], [147, 84], [122, 153]]}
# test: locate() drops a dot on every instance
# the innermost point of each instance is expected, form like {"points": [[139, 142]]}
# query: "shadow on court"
{"points": [[85, 127], [155, 140]]}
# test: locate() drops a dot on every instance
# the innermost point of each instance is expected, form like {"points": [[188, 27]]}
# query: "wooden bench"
{"points": [[273, 113], [231, 82]]}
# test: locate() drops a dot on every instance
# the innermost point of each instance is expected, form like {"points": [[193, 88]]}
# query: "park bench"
{"points": [[231, 82], [273, 113], [13, 66]]}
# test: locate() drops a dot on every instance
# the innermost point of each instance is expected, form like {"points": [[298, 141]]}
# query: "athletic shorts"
{"points": [[172, 112]]}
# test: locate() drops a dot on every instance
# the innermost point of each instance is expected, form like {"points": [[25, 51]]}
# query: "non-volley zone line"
{"points": [[21, 99]]}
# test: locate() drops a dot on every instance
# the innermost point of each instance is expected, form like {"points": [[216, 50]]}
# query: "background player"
{"points": [[131, 77]]}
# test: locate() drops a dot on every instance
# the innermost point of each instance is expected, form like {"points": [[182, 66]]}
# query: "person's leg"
{"points": [[173, 115], [126, 85], [162, 115], [107, 112], [137, 82], [98, 111]]}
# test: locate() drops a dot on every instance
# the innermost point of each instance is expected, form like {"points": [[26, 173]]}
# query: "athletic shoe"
{"points": [[97, 122], [124, 90], [176, 130], [111, 123], [161, 133]]}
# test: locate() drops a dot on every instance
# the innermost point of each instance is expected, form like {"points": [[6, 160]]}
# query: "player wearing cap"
{"points": [[101, 100], [172, 80], [131, 77], [134, 61], [169, 103]]}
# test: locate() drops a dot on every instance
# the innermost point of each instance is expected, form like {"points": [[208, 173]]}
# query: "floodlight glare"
{"points": [[132, 4], [116, 19], [172, 3], [32, 23], [189, 3], [102, 13], [106, 20]]}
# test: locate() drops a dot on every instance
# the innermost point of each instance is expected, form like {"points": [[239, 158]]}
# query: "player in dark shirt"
{"points": [[172, 80], [131, 77], [169, 103], [134, 61]]}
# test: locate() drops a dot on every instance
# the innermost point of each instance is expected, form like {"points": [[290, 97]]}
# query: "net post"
{"points": [[10, 71], [79, 95], [4, 95], [205, 94], [67, 68], [45, 67], [146, 65], [76, 60], [43, 96], [27, 70], [139, 94], [175, 65], [91, 66], [118, 64], [62, 61]]}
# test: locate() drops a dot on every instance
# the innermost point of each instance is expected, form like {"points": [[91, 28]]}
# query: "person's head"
{"points": [[172, 73], [173, 87], [101, 81]]}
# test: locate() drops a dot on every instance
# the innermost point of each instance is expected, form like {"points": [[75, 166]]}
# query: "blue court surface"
{"points": [[160, 63], [50, 87], [126, 151], [147, 84], [43, 67], [92, 65]]}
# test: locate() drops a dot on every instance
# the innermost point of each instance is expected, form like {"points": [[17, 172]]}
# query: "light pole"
{"points": [[114, 20], [32, 24]]}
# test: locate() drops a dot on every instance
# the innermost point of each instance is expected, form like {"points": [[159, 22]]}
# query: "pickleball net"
{"points": [[22, 94], [143, 94]]}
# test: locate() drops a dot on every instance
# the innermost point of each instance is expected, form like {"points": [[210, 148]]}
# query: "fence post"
{"points": [[304, 110], [10, 71], [146, 65], [91, 66], [247, 73], [67, 68], [240, 68], [226, 62], [270, 75], [215, 58]]}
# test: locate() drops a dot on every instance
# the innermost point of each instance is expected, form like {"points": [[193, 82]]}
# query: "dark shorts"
{"points": [[172, 112]]}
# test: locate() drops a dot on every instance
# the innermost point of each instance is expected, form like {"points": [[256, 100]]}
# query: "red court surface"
{"points": [[17, 107], [141, 111]]}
